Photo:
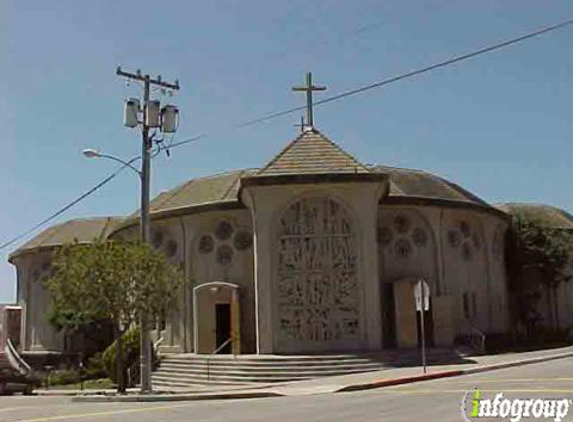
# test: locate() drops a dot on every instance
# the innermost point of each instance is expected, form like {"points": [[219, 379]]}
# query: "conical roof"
{"points": [[312, 153]]}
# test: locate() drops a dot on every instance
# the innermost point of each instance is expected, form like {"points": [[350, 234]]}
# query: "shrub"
{"points": [[95, 368], [130, 346], [64, 376]]}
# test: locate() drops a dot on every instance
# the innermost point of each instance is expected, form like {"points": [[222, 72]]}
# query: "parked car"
{"points": [[11, 382]]}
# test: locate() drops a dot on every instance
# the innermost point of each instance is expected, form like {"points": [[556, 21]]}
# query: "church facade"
{"points": [[313, 253]]}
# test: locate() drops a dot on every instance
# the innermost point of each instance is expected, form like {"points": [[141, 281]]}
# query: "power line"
{"points": [[70, 205], [299, 108], [93, 189], [413, 73]]}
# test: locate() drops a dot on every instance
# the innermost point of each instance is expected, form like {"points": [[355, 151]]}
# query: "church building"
{"points": [[314, 252]]}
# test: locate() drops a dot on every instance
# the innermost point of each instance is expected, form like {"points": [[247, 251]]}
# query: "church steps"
{"points": [[260, 374], [251, 365], [165, 382], [270, 362], [269, 369], [194, 370]]}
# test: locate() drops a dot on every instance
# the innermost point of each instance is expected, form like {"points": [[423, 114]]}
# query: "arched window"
{"points": [[317, 281]]}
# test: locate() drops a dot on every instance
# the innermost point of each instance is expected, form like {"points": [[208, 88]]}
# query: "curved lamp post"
{"points": [[94, 153], [143, 174]]}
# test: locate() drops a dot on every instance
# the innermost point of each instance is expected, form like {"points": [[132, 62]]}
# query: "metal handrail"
{"points": [[217, 350], [15, 359], [481, 337]]}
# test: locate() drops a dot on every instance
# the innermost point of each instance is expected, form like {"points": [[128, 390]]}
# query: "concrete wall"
{"points": [[202, 267], [267, 204], [459, 252], [37, 334]]}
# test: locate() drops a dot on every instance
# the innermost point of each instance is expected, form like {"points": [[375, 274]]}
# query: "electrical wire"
{"points": [[95, 188], [71, 204], [413, 73], [267, 117]]}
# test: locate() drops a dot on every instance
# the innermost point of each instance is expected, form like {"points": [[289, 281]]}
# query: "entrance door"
{"points": [[388, 316], [223, 326]]}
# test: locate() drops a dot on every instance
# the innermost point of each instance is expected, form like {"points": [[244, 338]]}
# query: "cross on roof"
{"points": [[309, 88]]}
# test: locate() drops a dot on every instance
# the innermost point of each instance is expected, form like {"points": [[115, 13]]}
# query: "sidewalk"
{"points": [[337, 384]]}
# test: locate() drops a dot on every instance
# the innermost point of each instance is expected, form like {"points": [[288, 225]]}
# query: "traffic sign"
{"points": [[421, 289]]}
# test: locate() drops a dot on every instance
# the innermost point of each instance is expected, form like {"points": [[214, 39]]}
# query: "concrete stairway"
{"points": [[191, 370]]}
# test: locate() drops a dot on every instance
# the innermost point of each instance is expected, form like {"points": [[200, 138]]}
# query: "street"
{"points": [[437, 400]]}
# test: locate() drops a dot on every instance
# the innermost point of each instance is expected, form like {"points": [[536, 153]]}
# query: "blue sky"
{"points": [[500, 125]]}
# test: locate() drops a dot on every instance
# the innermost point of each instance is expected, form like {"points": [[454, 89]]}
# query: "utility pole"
{"points": [[146, 146]]}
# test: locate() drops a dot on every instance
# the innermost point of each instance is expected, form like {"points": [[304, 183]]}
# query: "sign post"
{"points": [[422, 296]]}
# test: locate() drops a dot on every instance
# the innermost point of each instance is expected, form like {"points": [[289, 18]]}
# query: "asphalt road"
{"points": [[437, 400]]}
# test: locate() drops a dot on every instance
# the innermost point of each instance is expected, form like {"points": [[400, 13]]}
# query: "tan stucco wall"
{"points": [[267, 203], [200, 268], [451, 273], [37, 333], [441, 263]]}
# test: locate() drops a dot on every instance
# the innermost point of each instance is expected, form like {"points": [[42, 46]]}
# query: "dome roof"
{"points": [[221, 191], [310, 157], [552, 217], [408, 183], [82, 230]]}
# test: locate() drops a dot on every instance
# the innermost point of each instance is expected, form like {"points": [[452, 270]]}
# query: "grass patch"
{"points": [[95, 384]]}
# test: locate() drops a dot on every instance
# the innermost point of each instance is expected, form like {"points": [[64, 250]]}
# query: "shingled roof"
{"points": [[551, 217], [83, 230], [215, 190], [312, 153], [409, 183]]}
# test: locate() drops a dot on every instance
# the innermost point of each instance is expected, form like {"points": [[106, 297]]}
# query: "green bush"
{"points": [[95, 368], [130, 347], [64, 376]]}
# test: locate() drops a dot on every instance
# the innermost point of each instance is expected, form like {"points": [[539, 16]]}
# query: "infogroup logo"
{"points": [[475, 406]]}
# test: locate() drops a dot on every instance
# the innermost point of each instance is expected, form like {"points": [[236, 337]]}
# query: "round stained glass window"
{"points": [[224, 230], [465, 228], [243, 240], [419, 236], [206, 244], [454, 238], [384, 235], [157, 238], [402, 224], [224, 254], [466, 252], [403, 248]]}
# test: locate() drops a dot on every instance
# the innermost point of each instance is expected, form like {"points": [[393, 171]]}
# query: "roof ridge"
{"points": [[315, 152], [278, 155], [343, 151], [402, 168]]}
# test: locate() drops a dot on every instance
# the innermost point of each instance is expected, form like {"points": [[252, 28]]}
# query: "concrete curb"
{"points": [[516, 363], [175, 397], [348, 388], [398, 381], [446, 374]]}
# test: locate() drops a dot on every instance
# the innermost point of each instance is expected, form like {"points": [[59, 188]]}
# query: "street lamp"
{"points": [[145, 354], [94, 153], [148, 114]]}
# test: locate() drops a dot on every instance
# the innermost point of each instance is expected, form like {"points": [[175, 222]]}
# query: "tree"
{"points": [[545, 252], [113, 281]]}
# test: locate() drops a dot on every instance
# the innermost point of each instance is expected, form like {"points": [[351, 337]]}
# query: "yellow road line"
{"points": [[510, 380], [98, 414], [505, 391]]}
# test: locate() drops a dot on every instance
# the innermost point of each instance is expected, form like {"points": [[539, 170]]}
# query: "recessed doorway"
{"points": [[223, 326]]}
